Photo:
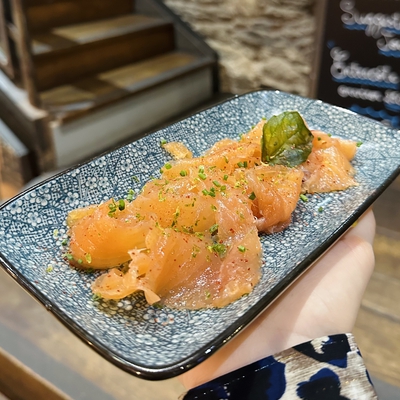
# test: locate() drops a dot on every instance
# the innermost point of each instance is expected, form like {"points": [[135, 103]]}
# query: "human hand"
{"points": [[323, 301]]}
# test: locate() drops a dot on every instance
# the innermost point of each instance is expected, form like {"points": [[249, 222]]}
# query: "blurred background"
{"points": [[79, 77]]}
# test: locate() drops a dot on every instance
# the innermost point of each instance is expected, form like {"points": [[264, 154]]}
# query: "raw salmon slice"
{"points": [[277, 191], [186, 271], [328, 166], [100, 241]]}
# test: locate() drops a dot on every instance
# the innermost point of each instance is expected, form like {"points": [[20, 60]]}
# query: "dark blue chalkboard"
{"points": [[358, 65]]}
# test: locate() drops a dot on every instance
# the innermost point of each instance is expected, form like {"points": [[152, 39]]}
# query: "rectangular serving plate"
{"points": [[154, 343]]}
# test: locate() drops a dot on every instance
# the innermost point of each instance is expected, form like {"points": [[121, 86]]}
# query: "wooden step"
{"points": [[69, 36], [70, 101], [66, 54], [43, 15]]}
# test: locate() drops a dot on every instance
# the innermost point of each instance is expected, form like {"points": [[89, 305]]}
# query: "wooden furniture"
{"points": [[15, 163], [79, 76]]}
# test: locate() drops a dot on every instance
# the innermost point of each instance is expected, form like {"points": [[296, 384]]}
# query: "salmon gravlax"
{"points": [[190, 238]]}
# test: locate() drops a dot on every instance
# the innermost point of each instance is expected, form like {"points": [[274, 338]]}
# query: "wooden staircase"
{"points": [[80, 76]]}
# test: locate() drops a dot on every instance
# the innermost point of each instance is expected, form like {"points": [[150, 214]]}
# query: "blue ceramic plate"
{"points": [[155, 343]]}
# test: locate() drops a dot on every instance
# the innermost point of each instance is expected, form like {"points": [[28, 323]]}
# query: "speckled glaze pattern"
{"points": [[158, 343]]}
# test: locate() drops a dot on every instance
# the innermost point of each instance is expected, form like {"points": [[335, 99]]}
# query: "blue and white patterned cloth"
{"points": [[328, 368]]}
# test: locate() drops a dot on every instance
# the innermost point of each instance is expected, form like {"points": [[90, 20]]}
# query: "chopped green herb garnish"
{"points": [[202, 176], [64, 242], [183, 173], [207, 294], [252, 196], [226, 159], [135, 178], [130, 195], [80, 261], [216, 183], [49, 268], [201, 169], [69, 256], [329, 134], [96, 297], [213, 207], [320, 209], [319, 138], [113, 208], [218, 248], [304, 198], [187, 229], [121, 205], [358, 144], [242, 249], [175, 215], [210, 192], [160, 196], [286, 140], [195, 251], [163, 142], [240, 164], [225, 178], [214, 229], [167, 166], [88, 258]]}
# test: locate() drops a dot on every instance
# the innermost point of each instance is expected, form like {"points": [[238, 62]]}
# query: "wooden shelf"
{"points": [[91, 54], [71, 36], [70, 101], [43, 15]]}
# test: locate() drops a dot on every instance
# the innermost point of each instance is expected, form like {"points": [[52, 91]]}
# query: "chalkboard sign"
{"points": [[358, 62]]}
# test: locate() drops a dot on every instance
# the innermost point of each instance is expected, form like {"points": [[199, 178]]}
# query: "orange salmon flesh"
{"points": [[190, 239]]}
